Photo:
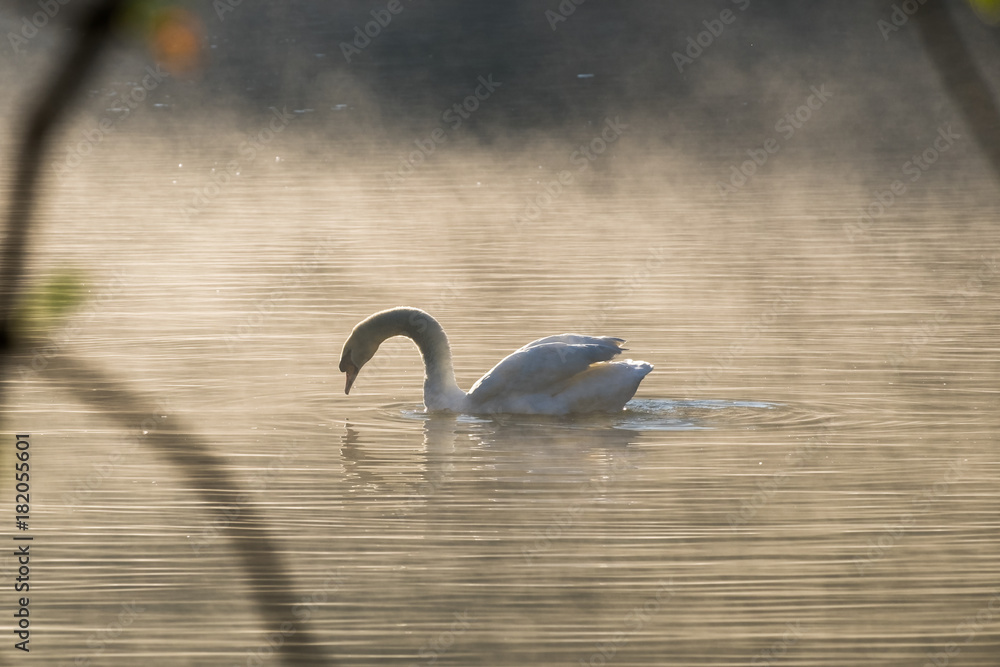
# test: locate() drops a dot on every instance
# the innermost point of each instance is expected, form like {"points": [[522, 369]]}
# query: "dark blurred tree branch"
{"points": [[95, 31], [245, 531], [961, 77], [269, 583]]}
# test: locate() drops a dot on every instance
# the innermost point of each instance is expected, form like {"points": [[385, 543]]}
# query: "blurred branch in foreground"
{"points": [[57, 96], [270, 585], [208, 478], [961, 77]]}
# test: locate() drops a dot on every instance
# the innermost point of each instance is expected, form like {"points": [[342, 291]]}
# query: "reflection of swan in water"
{"points": [[498, 446], [556, 375], [403, 475]]}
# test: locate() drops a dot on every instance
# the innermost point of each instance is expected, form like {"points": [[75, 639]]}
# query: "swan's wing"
{"points": [[577, 339], [544, 365], [600, 388]]}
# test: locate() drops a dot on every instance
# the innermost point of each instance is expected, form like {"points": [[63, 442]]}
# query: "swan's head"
{"points": [[364, 341], [357, 352]]}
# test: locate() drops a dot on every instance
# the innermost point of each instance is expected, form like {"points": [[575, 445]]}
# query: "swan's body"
{"points": [[556, 375]]}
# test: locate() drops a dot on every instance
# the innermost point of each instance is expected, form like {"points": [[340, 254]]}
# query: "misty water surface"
{"points": [[808, 477]]}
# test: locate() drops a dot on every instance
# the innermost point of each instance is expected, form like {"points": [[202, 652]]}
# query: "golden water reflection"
{"points": [[809, 476]]}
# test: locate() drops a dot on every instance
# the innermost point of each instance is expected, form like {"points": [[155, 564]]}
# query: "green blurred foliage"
{"points": [[140, 15], [45, 306], [988, 10]]}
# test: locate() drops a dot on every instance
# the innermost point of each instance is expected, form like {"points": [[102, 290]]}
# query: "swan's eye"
{"points": [[346, 363]]}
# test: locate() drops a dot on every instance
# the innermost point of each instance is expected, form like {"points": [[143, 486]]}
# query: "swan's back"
{"points": [[576, 339], [561, 374]]}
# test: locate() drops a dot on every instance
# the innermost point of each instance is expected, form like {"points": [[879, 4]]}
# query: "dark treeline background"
{"points": [[262, 53]]}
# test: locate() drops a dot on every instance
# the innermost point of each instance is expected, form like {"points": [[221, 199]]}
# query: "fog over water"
{"points": [[778, 204]]}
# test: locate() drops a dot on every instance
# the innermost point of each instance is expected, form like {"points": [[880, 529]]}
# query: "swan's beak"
{"points": [[352, 374]]}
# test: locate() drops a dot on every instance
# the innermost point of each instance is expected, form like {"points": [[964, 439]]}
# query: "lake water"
{"points": [[808, 477]]}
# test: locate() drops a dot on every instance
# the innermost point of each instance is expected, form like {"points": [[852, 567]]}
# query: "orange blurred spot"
{"points": [[177, 41]]}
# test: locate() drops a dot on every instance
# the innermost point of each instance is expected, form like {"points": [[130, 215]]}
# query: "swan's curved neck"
{"points": [[441, 391]]}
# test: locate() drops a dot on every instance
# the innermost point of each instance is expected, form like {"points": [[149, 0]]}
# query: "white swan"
{"points": [[556, 375]]}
